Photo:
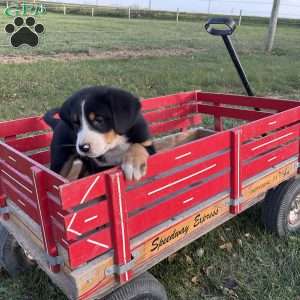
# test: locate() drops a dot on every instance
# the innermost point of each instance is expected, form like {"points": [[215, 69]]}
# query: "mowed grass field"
{"points": [[239, 260]]}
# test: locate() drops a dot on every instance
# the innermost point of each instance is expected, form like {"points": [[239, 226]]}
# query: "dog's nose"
{"points": [[85, 148]]}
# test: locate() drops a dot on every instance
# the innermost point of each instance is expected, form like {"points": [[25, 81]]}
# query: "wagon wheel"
{"points": [[12, 256], [281, 208], [144, 287]]}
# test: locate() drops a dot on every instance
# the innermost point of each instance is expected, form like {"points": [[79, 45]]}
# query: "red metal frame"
{"points": [[93, 215]]}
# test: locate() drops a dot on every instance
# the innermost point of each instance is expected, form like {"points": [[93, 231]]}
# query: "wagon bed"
{"points": [[96, 233]]}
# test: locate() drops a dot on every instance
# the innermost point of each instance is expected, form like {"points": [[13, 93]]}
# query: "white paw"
{"points": [[135, 162], [134, 172]]}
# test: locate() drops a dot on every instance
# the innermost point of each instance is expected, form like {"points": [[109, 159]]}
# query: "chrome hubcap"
{"points": [[294, 214]]}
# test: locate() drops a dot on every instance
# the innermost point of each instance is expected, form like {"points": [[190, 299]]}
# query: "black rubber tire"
{"points": [[144, 287], [277, 205], [12, 256]]}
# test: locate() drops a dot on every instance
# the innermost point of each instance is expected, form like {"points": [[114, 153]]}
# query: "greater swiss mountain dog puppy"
{"points": [[99, 127]]}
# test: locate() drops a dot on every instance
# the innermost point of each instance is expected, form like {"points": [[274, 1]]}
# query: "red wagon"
{"points": [[95, 234]]}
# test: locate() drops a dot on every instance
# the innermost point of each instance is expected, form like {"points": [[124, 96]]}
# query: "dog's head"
{"points": [[100, 116]]}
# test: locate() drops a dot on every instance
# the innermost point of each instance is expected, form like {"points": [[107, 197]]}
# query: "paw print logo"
{"points": [[24, 33]]}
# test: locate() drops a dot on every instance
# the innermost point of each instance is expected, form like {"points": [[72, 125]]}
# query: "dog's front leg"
{"points": [[134, 162], [72, 168]]}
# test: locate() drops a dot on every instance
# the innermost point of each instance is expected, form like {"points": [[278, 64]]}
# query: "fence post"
{"points": [[129, 13], [272, 25], [209, 6], [6, 4], [92, 11], [65, 10], [240, 18], [177, 16]]}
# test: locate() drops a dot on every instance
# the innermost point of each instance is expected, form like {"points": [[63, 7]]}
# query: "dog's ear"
{"points": [[65, 112], [125, 108]]}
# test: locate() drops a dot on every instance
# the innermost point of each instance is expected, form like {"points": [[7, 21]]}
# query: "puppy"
{"points": [[99, 127]]}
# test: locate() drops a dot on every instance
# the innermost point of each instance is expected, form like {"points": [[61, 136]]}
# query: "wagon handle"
{"points": [[230, 26]]}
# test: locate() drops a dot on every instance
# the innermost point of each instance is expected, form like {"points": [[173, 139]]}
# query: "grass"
{"points": [[253, 264]]}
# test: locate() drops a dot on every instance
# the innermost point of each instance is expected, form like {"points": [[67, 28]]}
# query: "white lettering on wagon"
{"points": [[180, 231]]}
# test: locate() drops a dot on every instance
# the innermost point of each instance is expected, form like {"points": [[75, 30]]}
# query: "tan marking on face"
{"points": [[92, 116], [110, 136]]}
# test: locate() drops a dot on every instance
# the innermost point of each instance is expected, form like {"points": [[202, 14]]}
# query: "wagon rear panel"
{"points": [[101, 220]]}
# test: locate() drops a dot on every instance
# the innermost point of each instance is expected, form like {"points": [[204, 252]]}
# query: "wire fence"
{"points": [[76, 28], [288, 9]]}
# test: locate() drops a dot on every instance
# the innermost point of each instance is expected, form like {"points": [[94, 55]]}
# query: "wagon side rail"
{"points": [[25, 182]]}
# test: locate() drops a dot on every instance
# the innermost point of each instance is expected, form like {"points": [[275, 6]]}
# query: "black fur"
{"points": [[121, 112]]}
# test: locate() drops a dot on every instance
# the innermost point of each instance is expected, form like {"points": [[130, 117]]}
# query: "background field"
{"points": [[149, 57]]}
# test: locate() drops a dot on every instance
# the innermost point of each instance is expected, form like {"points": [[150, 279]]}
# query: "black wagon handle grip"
{"points": [[229, 28]]}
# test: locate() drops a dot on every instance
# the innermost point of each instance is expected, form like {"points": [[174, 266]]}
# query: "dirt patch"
{"points": [[96, 54]]}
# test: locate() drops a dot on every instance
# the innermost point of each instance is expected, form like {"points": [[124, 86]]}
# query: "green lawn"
{"points": [[258, 265]]}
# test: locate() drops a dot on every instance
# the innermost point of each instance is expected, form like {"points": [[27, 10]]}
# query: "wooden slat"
{"points": [[168, 209], [86, 249], [32, 142], [81, 191], [53, 181], [269, 142], [16, 159], [268, 160], [166, 160], [21, 181], [169, 100], [21, 126], [146, 194], [239, 100], [259, 127], [21, 199], [170, 113], [182, 124], [86, 219], [42, 157], [241, 114], [23, 163]]}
